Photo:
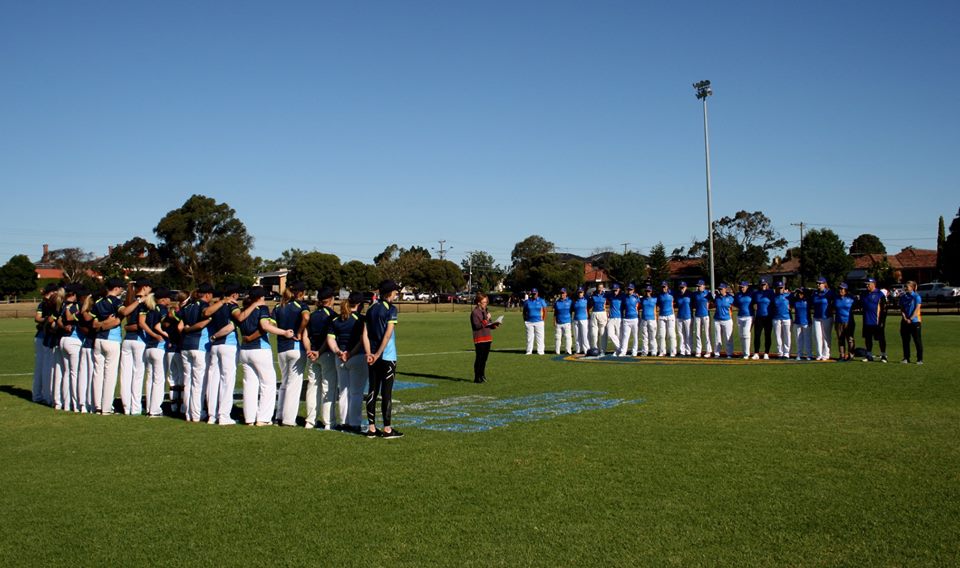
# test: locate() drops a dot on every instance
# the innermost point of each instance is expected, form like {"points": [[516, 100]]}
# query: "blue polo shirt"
{"points": [[288, 316], [580, 309], [220, 319], [616, 302], [683, 306], [843, 306], [152, 318], [598, 302], [251, 325], [701, 303], [346, 332], [630, 303], [780, 308], [872, 304], [561, 310], [801, 312], [743, 301], [648, 308], [319, 325], [104, 308], [908, 304], [133, 318], [762, 300], [380, 314], [195, 340], [665, 303], [73, 309], [722, 310], [531, 309], [821, 303]]}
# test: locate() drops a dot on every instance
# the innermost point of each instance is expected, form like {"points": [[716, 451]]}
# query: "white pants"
{"points": [[293, 364], [667, 334], [38, 357], [221, 380], [801, 335], [352, 381], [70, 374], [581, 335], [702, 327], [723, 336], [106, 356], [325, 374], [85, 380], [598, 331], [629, 328], [684, 337], [131, 375], [648, 337], [50, 369], [744, 326], [781, 331], [174, 379], [821, 337], [534, 335], [156, 363], [565, 330], [259, 385], [613, 332], [194, 375]]}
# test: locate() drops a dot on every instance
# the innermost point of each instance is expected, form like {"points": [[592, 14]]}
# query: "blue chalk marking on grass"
{"points": [[405, 385]]}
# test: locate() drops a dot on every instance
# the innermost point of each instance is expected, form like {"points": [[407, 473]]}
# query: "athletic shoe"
{"points": [[264, 423], [755, 356], [706, 355], [883, 358], [904, 362], [919, 362], [371, 433], [746, 356], [766, 357], [211, 420], [227, 422], [697, 355], [155, 415], [308, 426], [799, 358], [393, 433]]}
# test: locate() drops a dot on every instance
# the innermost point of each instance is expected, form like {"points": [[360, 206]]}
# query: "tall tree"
{"points": [[18, 276], [74, 262], [435, 275], [742, 245], [486, 274], [531, 247], [867, 244], [626, 268], [941, 245], [357, 276], [822, 253], [659, 264], [397, 263], [203, 239], [316, 270], [130, 258], [951, 252]]}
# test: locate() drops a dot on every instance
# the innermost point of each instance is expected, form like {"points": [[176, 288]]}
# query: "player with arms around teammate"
{"points": [[823, 303], [133, 348], [630, 323], [46, 309], [701, 320], [648, 323], [380, 346], [598, 319], [534, 314], [157, 305], [722, 323], [222, 368], [910, 322], [684, 320], [193, 354], [844, 322], [563, 322], [615, 317], [581, 322], [874, 316], [780, 313], [666, 321], [743, 301], [108, 311]]}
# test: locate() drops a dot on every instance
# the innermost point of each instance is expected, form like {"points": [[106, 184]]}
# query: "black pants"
{"points": [[845, 337], [871, 332], [381, 376], [764, 324], [908, 331], [480, 362]]}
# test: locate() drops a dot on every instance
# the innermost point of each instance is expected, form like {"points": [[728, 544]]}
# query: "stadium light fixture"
{"points": [[704, 90]]}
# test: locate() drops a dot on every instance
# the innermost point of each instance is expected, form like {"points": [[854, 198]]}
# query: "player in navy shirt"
{"points": [[581, 322], [193, 353], [324, 365], [874, 316], [256, 358], [910, 322], [684, 320], [345, 343], [762, 321], [381, 349], [292, 313], [222, 368]]}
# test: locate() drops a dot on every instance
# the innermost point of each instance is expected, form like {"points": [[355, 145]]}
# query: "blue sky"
{"points": [[344, 127]]}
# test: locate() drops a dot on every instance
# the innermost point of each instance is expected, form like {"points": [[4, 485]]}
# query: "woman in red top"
{"points": [[482, 337]]}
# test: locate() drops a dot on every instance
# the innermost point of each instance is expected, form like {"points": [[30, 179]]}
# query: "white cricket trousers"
{"points": [[598, 331], [801, 335], [744, 326], [701, 326], [534, 335], [723, 336], [566, 331], [667, 334], [629, 328], [581, 335], [70, 372], [324, 374], [49, 371], [55, 383], [131, 375], [781, 331], [38, 355], [259, 385], [194, 375], [85, 381], [648, 337], [106, 357], [175, 379], [352, 380], [684, 337], [155, 361], [613, 332], [221, 380], [821, 337], [292, 365]]}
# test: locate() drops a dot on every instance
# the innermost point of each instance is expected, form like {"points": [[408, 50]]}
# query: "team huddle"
{"points": [[677, 322], [155, 341]]}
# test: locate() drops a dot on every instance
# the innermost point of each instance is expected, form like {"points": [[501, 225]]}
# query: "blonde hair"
{"points": [[150, 301], [346, 308], [286, 297]]}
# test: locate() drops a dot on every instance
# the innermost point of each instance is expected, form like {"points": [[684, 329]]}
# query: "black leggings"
{"points": [[764, 324], [907, 331], [381, 376], [845, 337], [480, 362]]}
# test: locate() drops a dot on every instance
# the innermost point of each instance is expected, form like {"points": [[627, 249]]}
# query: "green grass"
{"points": [[737, 465]]}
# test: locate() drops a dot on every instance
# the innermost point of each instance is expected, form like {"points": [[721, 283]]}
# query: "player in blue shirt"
{"points": [[222, 362], [780, 313], [844, 323], [666, 322], [193, 353], [598, 319], [629, 323], [701, 320], [743, 301], [324, 366], [292, 313], [762, 321], [379, 344], [684, 320], [648, 323], [581, 322], [801, 324], [874, 316], [534, 314], [722, 322], [822, 301], [256, 358], [563, 322], [615, 316], [910, 322]]}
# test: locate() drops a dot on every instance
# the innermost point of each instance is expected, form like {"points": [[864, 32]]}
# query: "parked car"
{"points": [[423, 297], [445, 298], [408, 297], [934, 291]]}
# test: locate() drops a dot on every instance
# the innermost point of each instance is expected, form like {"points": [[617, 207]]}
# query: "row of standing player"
{"points": [[195, 344], [666, 324]]}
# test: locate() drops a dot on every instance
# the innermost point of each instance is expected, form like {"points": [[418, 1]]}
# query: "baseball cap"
{"points": [[298, 286], [821, 280], [631, 286], [387, 286], [683, 284], [110, 284], [205, 288], [764, 281], [701, 283], [843, 286], [580, 289], [722, 286], [616, 286], [355, 298], [325, 293], [871, 280], [664, 283], [779, 284], [563, 290], [141, 282], [231, 289], [257, 292], [744, 284], [649, 288], [534, 291]]}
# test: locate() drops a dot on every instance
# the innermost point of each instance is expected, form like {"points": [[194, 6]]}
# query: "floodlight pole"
{"points": [[703, 91]]}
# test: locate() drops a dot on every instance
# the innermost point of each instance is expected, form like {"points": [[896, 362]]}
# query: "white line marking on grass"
{"points": [[16, 375], [429, 354]]}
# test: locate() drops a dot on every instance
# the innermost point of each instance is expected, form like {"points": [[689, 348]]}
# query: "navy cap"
{"points": [[871, 280], [563, 290], [664, 283], [821, 280], [722, 286], [701, 283], [631, 286], [325, 293], [779, 284], [387, 286], [534, 291], [580, 289], [257, 292], [683, 284], [616, 286], [843, 286], [649, 288], [763, 281], [744, 284], [205, 288]]}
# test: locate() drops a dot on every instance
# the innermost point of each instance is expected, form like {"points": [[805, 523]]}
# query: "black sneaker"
{"points": [[371, 433], [393, 433], [883, 358]]}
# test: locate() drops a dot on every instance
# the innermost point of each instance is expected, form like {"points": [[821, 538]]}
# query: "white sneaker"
{"points": [[211, 420], [308, 426], [227, 422], [799, 358], [756, 356], [766, 357], [746, 356]]}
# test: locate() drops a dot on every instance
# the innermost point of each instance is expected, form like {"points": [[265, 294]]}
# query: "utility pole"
{"points": [[625, 248], [470, 271], [441, 251]]}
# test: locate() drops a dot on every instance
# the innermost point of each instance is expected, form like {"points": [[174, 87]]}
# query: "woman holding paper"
{"points": [[482, 336]]}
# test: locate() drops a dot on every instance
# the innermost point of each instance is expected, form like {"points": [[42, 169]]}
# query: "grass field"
{"points": [[805, 464]]}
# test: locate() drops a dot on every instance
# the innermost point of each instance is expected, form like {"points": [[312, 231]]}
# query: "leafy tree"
{"points": [[941, 244], [74, 262], [882, 272], [546, 272], [203, 239], [18, 276], [357, 276], [434, 275], [287, 259], [626, 268], [822, 253], [398, 263], [531, 247], [316, 270], [130, 258], [659, 264], [951, 252], [486, 274], [867, 244], [741, 246]]}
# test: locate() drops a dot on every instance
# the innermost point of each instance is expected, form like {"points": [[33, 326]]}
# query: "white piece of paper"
{"points": [[496, 321]]}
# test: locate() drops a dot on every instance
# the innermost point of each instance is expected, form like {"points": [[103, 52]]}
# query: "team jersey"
{"points": [[532, 309], [873, 304], [701, 303], [319, 325], [598, 302], [42, 312], [102, 310], [630, 303], [152, 318], [683, 306], [822, 300], [561, 310], [87, 334], [580, 309], [346, 332], [133, 318], [174, 337], [762, 300], [381, 314], [780, 307], [220, 319], [665, 303], [73, 309], [198, 340], [648, 308], [288, 316], [251, 325], [722, 310], [615, 301], [801, 312], [909, 302], [843, 306], [743, 301]]}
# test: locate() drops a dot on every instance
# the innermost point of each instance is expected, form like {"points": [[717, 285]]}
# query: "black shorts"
{"points": [[873, 332]]}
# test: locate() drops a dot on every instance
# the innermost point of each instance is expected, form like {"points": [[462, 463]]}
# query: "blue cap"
{"points": [[871, 281], [821, 280], [779, 284], [745, 284], [701, 283], [562, 290], [579, 288], [664, 283], [843, 286], [630, 286], [616, 286], [683, 284], [763, 281], [534, 291], [649, 288], [722, 286]]}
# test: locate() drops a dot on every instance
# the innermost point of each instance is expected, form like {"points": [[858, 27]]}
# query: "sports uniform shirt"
{"points": [[318, 326], [665, 303], [743, 301], [801, 312], [346, 332], [561, 310], [380, 314], [722, 310], [195, 340], [531, 309], [648, 308], [701, 303], [134, 319], [843, 306], [630, 303], [821, 304], [762, 300], [73, 309], [42, 311], [220, 319], [616, 302], [908, 304], [87, 333], [683, 306], [598, 302], [780, 308], [251, 325], [104, 308], [872, 306], [174, 337], [288, 317], [580, 309], [152, 318]]}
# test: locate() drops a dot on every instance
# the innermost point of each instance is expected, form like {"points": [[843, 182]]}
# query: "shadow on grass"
{"points": [[509, 351], [430, 376], [17, 392]]}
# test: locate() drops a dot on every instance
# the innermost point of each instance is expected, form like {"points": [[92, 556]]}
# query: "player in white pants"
{"points": [[291, 314], [108, 311], [801, 324], [581, 322], [345, 342], [630, 323], [780, 311], [666, 321], [822, 302], [132, 350], [683, 300], [615, 318], [563, 323], [701, 320], [534, 314], [722, 323], [743, 301], [648, 323], [193, 354], [598, 319], [256, 358], [154, 356], [70, 345], [45, 310], [322, 382], [222, 362]]}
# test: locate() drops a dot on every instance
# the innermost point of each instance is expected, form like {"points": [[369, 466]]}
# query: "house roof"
{"points": [[685, 267], [908, 258], [591, 274]]}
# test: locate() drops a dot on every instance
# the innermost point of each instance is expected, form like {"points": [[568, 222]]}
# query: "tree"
{"points": [[941, 245], [630, 267], [882, 272], [316, 270], [357, 276], [486, 275], [741, 246], [531, 247], [867, 244], [951, 252], [434, 275], [203, 239], [18, 276], [822, 253], [397, 263], [130, 258], [74, 262], [659, 264]]}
